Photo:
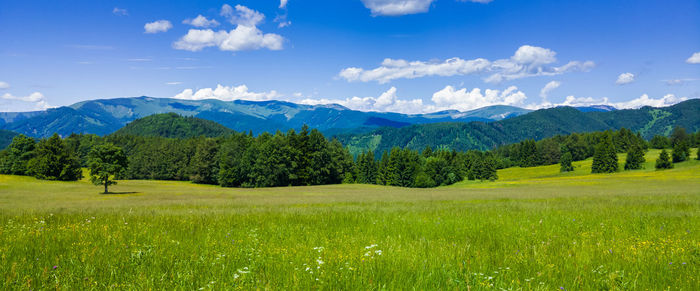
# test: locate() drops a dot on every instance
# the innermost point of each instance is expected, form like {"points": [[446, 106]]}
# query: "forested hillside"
{"points": [[648, 121], [6, 137], [172, 125]]}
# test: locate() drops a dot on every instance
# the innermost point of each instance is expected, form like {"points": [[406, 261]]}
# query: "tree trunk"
{"points": [[106, 186]]}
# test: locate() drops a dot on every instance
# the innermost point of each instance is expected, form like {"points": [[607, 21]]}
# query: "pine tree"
{"points": [[203, 165], [565, 162], [664, 161], [681, 151], [383, 169], [605, 157], [528, 153], [635, 158]]}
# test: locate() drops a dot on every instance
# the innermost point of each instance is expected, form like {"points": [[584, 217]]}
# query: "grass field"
{"points": [[533, 229]]}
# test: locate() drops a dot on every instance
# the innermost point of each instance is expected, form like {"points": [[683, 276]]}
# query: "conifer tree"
{"points": [[664, 161], [18, 154], [681, 151], [565, 162], [203, 165], [605, 157], [635, 158]]}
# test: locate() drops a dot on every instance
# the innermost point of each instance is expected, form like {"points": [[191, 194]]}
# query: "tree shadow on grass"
{"points": [[118, 193]]}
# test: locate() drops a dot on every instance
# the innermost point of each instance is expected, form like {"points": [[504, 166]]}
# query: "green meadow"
{"points": [[533, 229]]}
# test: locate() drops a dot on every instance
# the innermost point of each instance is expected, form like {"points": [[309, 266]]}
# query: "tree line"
{"points": [[308, 158]]}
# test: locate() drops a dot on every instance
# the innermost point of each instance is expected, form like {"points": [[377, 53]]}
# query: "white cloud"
{"points": [[642, 101], [464, 100], [173, 83], [201, 21], [242, 15], [401, 7], [445, 99], [386, 102], [4, 85], [283, 4], [694, 59], [119, 11], [246, 36], [227, 93], [157, 26], [528, 61], [38, 100], [625, 78], [238, 39], [544, 93], [397, 7]]}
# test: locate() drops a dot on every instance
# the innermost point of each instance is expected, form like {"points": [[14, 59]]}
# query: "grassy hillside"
{"points": [[536, 125], [534, 229], [172, 125]]}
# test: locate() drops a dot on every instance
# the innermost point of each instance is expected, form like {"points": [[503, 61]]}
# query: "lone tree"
{"points": [[663, 162], [635, 158], [106, 162], [565, 162], [605, 157]]}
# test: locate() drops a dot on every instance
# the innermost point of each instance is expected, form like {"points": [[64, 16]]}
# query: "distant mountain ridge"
{"points": [[648, 121], [104, 116]]}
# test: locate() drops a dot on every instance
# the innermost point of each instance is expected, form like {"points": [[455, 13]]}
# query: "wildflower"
{"points": [[55, 267]]}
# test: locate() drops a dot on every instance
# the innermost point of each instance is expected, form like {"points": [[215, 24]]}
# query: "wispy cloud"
{"points": [[120, 12]]}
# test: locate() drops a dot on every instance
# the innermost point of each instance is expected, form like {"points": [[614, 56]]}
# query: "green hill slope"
{"points": [[172, 125], [536, 125]]}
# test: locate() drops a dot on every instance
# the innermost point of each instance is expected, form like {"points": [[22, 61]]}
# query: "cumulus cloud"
{"points": [[625, 78], [528, 61], [227, 93], [464, 99], [238, 39], [201, 21], [642, 101], [36, 98], [242, 15], [4, 85], [544, 93], [283, 4], [694, 59], [445, 99], [386, 102], [246, 36], [119, 11], [157, 26]]}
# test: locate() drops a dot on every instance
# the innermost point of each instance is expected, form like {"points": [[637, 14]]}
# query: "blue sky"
{"points": [[408, 56]]}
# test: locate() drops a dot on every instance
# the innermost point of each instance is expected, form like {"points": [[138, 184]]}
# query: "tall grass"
{"points": [[535, 229]]}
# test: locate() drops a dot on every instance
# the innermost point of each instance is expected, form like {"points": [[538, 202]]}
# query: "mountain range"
{"points": [[105, 116], [647, 121], [482, 128]]}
